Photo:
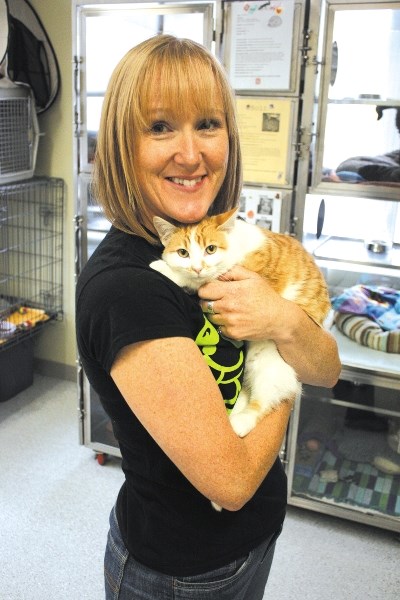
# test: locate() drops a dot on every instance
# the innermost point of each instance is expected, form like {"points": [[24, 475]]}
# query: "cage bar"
{"points": [[31, 257]]}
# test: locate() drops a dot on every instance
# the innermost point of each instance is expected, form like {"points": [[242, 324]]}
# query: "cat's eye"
{"points": [[183, 253], [211, 249]]}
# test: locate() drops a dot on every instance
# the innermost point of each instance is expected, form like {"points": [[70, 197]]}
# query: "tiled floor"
{"points": [[55, 500]]}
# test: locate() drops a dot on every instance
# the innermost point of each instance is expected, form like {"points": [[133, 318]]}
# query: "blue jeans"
{"points": [[242, 579]]}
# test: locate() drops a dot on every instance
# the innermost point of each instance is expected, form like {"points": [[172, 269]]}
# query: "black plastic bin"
{"points": [[16, 368]]}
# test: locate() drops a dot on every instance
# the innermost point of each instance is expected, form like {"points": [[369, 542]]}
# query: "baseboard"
{"points": [[54, 369]]}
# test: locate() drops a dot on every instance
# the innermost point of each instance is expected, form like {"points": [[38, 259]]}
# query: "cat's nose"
{"points": [[197, 270]]}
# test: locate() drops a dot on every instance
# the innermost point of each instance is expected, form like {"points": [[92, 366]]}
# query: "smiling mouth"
{"points": [[186, 182]]}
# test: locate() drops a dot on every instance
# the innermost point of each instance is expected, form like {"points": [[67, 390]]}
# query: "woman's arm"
{"points": [[249, 309], [181, 407]]}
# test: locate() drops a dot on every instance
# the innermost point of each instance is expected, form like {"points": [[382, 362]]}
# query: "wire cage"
{"points": [[31, 257]]}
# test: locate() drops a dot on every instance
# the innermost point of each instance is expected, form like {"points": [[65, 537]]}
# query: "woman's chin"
{"points": [[190, 211]]}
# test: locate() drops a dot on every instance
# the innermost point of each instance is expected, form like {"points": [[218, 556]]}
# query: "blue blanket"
{"points": [[381, 304]]}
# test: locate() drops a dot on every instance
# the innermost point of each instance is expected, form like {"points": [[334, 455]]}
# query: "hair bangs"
{"points": [[181, 85], [174, 75]]}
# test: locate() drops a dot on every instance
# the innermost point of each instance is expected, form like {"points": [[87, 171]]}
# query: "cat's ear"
{"points": [[226, 220], [164, 229]]}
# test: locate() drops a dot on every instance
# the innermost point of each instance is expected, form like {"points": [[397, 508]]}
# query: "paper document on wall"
{"points": [[264, 131], [261, 45]]}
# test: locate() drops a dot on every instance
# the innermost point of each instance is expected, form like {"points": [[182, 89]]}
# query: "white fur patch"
{"points": [[243, 239], [268, 381], [291, 292]]}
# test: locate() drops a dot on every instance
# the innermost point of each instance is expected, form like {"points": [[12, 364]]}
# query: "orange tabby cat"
{"points": [[196, 254]]}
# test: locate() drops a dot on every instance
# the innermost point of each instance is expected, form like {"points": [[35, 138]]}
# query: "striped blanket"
{"points": [[370, 316]]}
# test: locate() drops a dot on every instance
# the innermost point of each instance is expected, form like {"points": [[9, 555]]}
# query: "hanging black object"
{"points": [[320, 218], [30, 57], [3, 30]]}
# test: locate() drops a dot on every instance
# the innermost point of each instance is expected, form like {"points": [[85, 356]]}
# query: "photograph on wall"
{"points": [[261, 45], [261, 207], [264, 130]]}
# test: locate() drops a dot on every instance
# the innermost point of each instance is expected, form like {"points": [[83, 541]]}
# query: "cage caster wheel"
{"points": [[101, 458]]}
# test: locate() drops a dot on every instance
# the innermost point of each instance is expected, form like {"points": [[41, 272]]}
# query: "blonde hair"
{"points": [[186, 75]]}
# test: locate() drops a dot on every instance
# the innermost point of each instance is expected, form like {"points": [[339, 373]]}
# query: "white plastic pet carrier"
{"points": [[29, 84], [19, 132]]}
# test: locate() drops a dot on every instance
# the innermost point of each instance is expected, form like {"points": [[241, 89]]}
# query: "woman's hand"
{"points": [[246, 307]]}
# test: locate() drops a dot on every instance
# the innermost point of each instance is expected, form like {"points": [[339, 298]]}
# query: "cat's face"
{"points": [[200, 254], [198, 251]]}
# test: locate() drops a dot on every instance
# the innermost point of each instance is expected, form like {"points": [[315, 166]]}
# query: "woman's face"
{"points": [[181, 162]]}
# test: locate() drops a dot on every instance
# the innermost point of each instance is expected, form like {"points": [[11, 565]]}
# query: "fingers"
{"points": [[215, 290], [238, 273], [211, 293], [208, 307]]}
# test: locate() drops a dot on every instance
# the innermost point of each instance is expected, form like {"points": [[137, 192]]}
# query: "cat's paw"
{"points": [[241, 402], [242, 423], [158, 265], [216, 507]]}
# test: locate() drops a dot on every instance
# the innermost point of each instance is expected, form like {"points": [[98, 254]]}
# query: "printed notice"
{"points": [[261, 207], [261, 45], [264, 131]]}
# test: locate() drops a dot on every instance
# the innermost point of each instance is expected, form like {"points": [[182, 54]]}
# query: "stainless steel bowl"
{"points": [[377, 246]]}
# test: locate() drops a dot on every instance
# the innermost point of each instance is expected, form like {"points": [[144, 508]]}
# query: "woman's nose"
{"points": [[188, 150]]}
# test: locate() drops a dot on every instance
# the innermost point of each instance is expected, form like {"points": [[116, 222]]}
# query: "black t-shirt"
{"points": [[165, 522]]}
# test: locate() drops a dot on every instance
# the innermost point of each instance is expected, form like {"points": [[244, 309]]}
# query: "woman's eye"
{"points": [[183, 253], [159, 127], [210, 124], [211, 249]]}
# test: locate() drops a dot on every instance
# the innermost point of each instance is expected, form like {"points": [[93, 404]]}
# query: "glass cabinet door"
{"points": [[354, 240], [106, 33], [98, 430], [358, 107], [347, 452]]}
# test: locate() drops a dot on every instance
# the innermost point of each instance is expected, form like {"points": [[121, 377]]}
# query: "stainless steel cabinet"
{"points": [[102, 35], [343, 448]]}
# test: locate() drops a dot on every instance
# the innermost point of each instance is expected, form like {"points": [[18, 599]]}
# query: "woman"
{"points": [[168, 146]]}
